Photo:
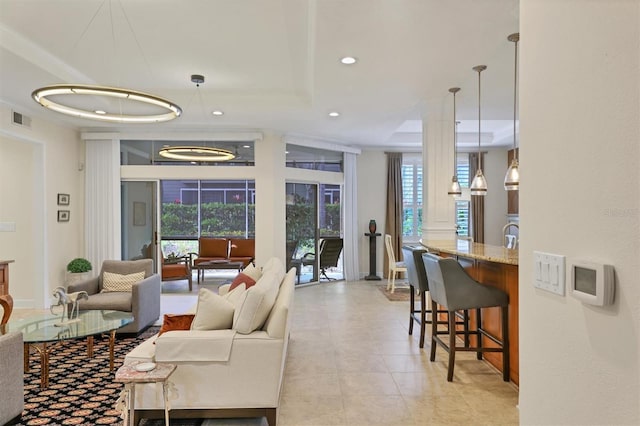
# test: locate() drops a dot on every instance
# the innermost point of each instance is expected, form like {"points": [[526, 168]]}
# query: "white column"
{"points": [[102, 201], [270, 197], [438, 215]]}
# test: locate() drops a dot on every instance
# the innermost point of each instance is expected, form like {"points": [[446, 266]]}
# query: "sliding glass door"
{"points": [[302, 230], [139, 219], [211, 208], [313, 218]]}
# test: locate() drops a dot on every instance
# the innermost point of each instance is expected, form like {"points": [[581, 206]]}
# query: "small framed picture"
{"points": [[63, 199], [63, 215], [139, 213]]}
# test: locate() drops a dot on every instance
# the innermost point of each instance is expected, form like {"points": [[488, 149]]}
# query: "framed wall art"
{"points": [[63, 215], [64, 199], [139, 213]]}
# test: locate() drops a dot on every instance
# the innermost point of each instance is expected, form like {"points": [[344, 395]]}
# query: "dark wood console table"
{"points": [[6, 301]]}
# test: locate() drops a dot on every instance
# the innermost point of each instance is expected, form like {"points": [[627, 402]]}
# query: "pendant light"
{"points": [[91, 101], [454, 188], [512, 178], [479, 184]]}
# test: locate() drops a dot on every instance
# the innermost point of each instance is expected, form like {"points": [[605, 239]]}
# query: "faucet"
{"points": [[510, 240]]}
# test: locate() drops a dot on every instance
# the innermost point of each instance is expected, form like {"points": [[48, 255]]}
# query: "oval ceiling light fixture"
{"points": [[196, 153], [348, 60], [334, 114], [218, 112], [42, 95]]}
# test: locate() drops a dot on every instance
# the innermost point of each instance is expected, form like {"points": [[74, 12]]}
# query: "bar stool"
{"points": [[417, 277], [452, 288]]}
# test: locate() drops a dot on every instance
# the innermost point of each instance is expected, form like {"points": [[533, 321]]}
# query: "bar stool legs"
{"points": [[479, 332]]}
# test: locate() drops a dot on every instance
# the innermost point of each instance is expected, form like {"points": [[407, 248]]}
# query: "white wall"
{"points": [[372, 196], [36, 164], [579, 197]]}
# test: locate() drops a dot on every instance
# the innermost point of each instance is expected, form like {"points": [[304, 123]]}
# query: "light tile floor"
{"points": [[352, 362]]}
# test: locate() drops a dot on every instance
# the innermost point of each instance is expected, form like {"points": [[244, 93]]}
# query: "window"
{"points": [[191, 208], [302, 157], [462, 205], [411, 196], [462, 169], [145, 153], [462, 218]]}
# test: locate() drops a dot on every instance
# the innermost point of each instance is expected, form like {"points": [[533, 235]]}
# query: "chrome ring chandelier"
{"points": [[42, 94], [196, 153]]}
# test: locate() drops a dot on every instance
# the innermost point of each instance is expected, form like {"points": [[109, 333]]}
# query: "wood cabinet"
{"points": [[504, 277]]}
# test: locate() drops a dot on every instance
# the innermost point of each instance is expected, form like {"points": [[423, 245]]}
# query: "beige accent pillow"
{"points": [[112, 282], [237, 297], [214, 312], [252, 272], [275, 265], [257, 304]]}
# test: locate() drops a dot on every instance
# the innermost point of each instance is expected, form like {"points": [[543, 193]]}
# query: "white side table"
{"points": [[129, 375]]}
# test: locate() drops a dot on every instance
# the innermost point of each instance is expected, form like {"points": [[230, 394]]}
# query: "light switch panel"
{"points": [[549, 272], [7, 227]]}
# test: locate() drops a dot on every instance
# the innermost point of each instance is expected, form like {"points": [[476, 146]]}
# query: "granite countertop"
{"points": [[478, 251]]}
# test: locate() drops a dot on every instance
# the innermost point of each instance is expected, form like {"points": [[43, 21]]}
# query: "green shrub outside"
{"points": [[218, 220], [228, 220]]}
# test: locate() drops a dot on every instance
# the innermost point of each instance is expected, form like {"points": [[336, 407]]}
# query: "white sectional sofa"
{"points": [[233, 372]]}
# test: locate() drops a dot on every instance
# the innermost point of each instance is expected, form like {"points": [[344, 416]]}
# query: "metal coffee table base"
{"points": [[44, 349], [201, 267]]}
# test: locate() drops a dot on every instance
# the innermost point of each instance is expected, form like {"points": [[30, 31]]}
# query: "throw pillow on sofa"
{"points": [[173, 322], [257, 304], [214, 312], [249, 276], [112, 282]]}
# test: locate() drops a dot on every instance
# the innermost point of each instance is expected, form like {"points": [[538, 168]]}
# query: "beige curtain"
{"points": [[393, 222], [477, 201]]}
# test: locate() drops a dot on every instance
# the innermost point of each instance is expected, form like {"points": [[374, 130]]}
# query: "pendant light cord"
{"points": [[515, 101], [455, 137], [479, 120]]}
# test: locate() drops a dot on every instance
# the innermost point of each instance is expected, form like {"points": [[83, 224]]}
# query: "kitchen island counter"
{"points": [[495, 266]]}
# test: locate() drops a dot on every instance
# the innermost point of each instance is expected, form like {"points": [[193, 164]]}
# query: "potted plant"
{"points": [[77, 270]]}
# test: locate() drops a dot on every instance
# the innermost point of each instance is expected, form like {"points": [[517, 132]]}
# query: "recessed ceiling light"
{"points": [[348, 60], [334, 114], [217, 112], [99, 111], [246, 146]]}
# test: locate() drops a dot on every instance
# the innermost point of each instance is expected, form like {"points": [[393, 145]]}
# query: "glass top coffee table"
{"points": [[44, 331]]}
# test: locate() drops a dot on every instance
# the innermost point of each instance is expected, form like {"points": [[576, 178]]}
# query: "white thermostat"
{"points": [[592, 283]]}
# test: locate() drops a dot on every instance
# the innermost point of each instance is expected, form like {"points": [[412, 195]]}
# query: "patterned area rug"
{"points": [[81, 390], [401, 293]]}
